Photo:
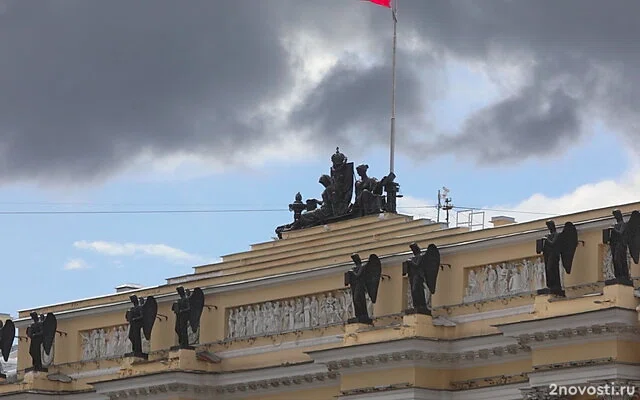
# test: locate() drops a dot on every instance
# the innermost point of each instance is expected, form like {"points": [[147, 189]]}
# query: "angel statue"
{"points": [[188, 310], [363, 279], [7, 336], [556, 247], [42, 332], [141, 316], [422, 269], [623, 236]]}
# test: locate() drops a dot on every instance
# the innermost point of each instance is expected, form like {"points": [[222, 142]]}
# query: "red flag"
{"points": [[384, 3]]}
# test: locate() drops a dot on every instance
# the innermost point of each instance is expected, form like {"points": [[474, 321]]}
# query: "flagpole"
{"points": [[394, 10]]}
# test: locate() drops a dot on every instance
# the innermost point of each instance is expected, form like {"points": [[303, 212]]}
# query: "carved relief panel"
{"points": [[108, 342], [304, 312], [504, 279]]}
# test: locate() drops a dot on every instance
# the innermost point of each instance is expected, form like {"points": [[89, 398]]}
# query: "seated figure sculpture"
{"points": [[318, 216], [368, 193]]}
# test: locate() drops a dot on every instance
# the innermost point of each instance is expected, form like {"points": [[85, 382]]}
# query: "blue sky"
{"points": [[177, 109]]}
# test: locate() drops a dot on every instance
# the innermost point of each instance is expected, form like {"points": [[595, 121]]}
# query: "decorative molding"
{"points": [[291, 314], [421, 352], [580, 335], [490, 381], [207, 386], [525, 275], [252, 351], [583, 372], [612, 323], [503, 392], [493, 314], [95, 373]]}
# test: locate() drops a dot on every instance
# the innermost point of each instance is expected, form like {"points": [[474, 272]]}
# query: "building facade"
{"points": [[275, 325]]}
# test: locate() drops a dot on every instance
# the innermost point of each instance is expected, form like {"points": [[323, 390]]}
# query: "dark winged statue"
{"points": [[623, 236], [188, 310], [141, 316], [41, 332], [363, 279], [556, 247], [422, 269], [7, 336]]}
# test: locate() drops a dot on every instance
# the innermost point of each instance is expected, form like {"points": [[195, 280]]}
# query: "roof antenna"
{"points": [[448, 205]]}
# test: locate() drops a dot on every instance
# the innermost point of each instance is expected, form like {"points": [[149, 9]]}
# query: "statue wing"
{"points": [[6, 338], [49, 328], [196, 302], [372, 273], [149, 313], [632, 233], [430, 265], [568, 245]]}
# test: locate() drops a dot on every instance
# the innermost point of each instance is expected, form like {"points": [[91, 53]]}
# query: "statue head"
{"points": [[134, 299], [551, 225], [415, 249], [618, 215], [181, 291], [362, 170], [338, 159], [356, 259], [325, 180], [298, 198], [34, 316]]}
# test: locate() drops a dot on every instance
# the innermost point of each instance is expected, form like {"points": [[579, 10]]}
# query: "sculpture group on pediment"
{"points": [[335, 204], [108, 342], [277, 316], [505, 279]]}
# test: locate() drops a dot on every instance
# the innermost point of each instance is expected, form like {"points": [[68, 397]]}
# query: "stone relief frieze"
{"points": [[108, 342], [505, 279], [304, 312]]}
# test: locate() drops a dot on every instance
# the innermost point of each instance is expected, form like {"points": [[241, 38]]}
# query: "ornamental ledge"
{"points": [[416, 355], [585, 332], [267, 384], [205, 390]]}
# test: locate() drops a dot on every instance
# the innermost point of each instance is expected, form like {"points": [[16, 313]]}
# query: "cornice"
{"points": [[502, 392], [582, 372], [613, 315], [424, 353], [207, 385], [613, 323]]}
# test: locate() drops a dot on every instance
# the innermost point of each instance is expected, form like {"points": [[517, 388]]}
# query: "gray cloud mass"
{"points": [[87, 86]]}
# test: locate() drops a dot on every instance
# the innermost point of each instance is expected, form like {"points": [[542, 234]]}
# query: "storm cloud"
{"points": [[88, 86]]}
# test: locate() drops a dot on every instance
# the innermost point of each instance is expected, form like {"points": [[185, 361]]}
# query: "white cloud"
{"points": [[607, 193], [75, 264], [163, 251]]}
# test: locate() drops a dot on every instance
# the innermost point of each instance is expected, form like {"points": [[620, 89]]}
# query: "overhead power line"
{"points": [[226, 210]]}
